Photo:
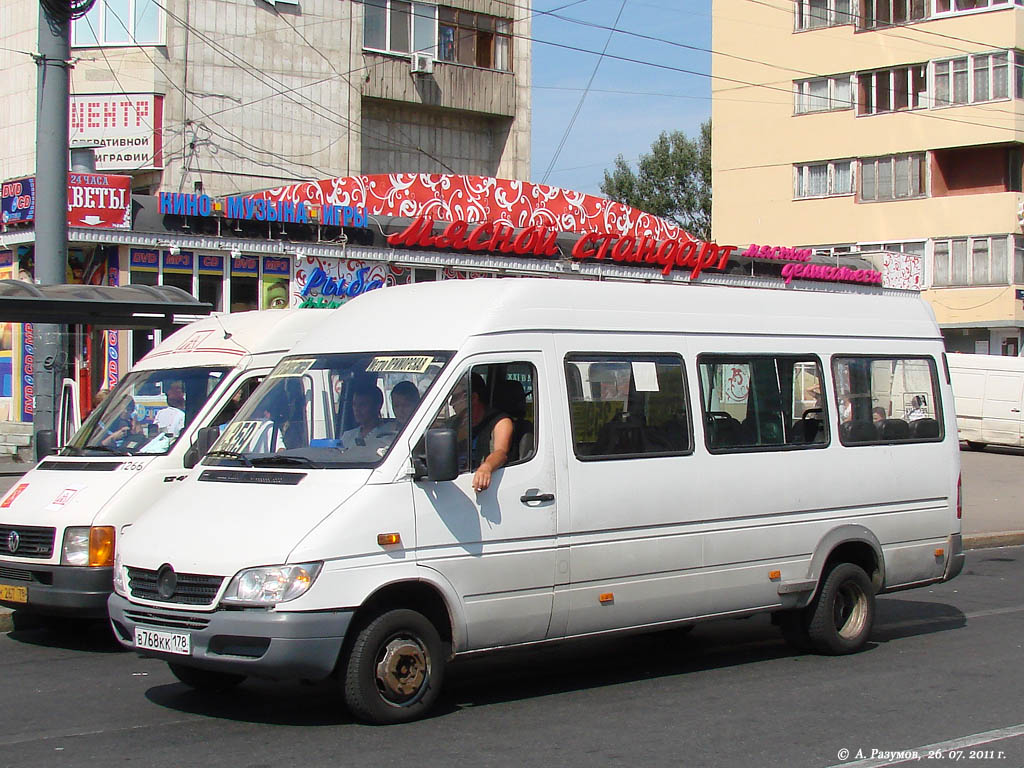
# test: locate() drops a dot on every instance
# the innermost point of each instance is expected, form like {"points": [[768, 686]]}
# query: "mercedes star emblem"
{"points": [[166, 582]]}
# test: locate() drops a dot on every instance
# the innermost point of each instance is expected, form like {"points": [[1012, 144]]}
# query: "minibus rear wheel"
{"points": [[394, 669], [841, 616], [205, 680]]}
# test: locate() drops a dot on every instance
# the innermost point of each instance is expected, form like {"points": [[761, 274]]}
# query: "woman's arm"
{"points": [[501, 437]]}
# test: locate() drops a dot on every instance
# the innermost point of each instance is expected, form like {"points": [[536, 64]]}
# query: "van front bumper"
{"points": [[270, 644], [58, 590]]}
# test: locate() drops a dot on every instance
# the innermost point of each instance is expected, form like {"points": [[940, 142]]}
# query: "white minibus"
{"points": [[60, 524], [989, 392], [582, 458]]}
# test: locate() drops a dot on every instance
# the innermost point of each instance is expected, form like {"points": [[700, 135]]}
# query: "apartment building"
{"points": [[855, 125], [225, 96]]}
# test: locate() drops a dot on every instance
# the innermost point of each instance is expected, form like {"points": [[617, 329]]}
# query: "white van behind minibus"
{"points": [[671, 455], [989, 393], [60, 524]]}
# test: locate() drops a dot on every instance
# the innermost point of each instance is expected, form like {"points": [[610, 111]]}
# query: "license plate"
{"points": [[168, 642], [13, 594]]}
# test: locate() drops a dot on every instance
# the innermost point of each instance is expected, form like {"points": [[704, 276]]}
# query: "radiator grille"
{"points": [[191, 589], [26, 541], [15, 574], [168, 620]]}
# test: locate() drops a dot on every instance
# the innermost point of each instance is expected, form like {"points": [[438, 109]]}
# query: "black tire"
{"points": [[394, 669], [974, 445], [842, 614], [205, 680]]}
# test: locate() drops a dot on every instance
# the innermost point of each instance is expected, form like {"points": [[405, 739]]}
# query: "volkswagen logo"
{"points": [[166, 582], [13, 541]]}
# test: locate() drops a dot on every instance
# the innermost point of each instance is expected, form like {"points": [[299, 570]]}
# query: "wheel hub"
{"points": [[850, 611], [402, 669]]}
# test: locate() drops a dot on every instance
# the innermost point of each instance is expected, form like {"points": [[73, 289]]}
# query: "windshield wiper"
{"points": [[231, 455], [273, 461], [105, 449]]}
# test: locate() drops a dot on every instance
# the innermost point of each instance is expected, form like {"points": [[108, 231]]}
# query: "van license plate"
{"points": [[13, 594], [168, 642]]}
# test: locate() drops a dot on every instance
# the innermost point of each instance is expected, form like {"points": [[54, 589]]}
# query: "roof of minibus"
{"points": [[442, 315], [226, 339]]}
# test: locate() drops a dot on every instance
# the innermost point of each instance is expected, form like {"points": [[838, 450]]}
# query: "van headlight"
{"points": [[119, 576], [93, 547], [271, 584]]}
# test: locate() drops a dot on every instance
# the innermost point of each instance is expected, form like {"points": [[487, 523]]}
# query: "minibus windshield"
{"points": [[343, 410], [146, 413]]}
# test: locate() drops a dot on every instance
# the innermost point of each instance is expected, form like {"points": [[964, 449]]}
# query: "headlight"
{"points": [[88, 546], [119, 576], [272, 584]]}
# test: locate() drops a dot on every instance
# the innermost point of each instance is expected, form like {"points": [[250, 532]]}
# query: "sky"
{"points": [[628, 104]]}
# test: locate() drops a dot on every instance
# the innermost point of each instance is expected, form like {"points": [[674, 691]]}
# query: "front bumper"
{"points": [[59, 590], [957, 556], [275, 645]]}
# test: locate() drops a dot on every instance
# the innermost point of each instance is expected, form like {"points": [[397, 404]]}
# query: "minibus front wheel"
{"points": [[394, 669]]}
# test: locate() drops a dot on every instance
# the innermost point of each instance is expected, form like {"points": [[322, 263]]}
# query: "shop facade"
{"points": [[323, 243]]}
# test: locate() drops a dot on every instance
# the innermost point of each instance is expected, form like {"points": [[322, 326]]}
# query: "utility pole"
{"points": [[51, 218]]}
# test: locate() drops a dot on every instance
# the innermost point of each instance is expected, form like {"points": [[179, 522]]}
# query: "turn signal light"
{"points": [[774, 575], [940, 552], [101, 546], [388, 539], [607, 597]]}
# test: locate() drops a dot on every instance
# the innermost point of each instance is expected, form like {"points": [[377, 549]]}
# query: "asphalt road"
{"points": [[944, 669]]}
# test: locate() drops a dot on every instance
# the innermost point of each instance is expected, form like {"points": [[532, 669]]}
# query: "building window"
{"points": [[885, 13], [823, 94], [823, 179], [914, 248], [120, 22], [892, 90], [400, 26], [972, 79], [971, 261], [814, 14], [474, 39], [966, 6], [1018, 259], [893, 178]]}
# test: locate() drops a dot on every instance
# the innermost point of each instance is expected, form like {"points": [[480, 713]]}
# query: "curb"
{"points": [[6, 620], [986, 540]]}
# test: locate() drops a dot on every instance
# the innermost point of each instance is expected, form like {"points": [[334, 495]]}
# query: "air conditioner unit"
{"points": [[421, 64]]}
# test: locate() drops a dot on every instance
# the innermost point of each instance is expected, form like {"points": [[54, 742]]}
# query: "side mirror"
{"points": [[205, 438], [46, 443], [442, 454]]}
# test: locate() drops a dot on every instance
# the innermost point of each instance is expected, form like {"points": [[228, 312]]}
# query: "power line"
{"points": [[583, 96]]}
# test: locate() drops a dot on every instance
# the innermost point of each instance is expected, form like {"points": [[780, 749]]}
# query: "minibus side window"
{"points": [[508, 390], [761, 402], [240, 395], [886, 400], [627, 406]]}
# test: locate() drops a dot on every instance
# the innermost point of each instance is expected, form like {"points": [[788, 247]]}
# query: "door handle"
{"points": [[537, 497], [1015, 410]]}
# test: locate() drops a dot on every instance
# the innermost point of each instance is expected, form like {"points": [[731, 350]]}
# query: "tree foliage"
{"points": [[673, 181]]}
